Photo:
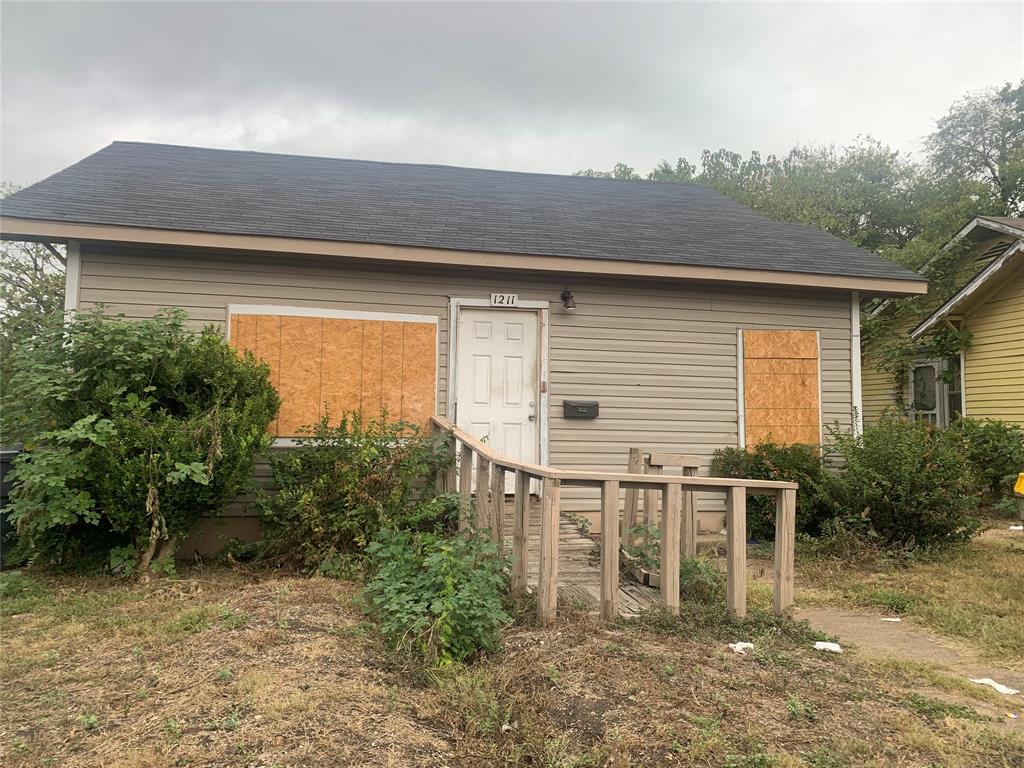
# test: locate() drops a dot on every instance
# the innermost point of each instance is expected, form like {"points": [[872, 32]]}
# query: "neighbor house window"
{"points": [[324, 361], [935, 391], [924, 383]]}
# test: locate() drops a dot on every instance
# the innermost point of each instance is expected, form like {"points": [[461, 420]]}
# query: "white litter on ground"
{"points": [[823, 646], [999, 687], [741, 647], [1017, 527], [892, 619]]}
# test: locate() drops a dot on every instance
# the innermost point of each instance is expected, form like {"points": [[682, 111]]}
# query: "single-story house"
{"points": [[986, 379], [565, 319]]}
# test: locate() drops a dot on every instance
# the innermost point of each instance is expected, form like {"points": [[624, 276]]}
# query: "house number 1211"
{"points": [[504, 299]]}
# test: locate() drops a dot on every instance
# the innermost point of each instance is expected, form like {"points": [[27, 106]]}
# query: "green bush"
{"points": [[995, 450], [342, 484], [767, 461], [133, 430], [437, 597], [907, 482], [700, 580]]}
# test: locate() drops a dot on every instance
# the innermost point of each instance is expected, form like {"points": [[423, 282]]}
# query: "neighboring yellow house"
{"points": [[987, 380]]}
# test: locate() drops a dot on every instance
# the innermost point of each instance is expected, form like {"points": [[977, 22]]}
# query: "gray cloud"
{"points": [[528, 86]]}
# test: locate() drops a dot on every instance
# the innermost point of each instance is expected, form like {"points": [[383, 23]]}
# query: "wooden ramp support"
{"points": [[610, 550], [496, 509], [547, 577], [655, 462], [785, 545], [736, 550], [520, 532], [671, 505], [465, 485], [677, 520]]}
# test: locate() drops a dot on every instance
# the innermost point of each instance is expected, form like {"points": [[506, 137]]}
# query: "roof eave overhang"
{"points": [[976, 284], [12, 228], [978, 222]]}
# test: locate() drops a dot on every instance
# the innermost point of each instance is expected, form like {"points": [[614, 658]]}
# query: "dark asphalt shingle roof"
{"points": [[255, 193]]}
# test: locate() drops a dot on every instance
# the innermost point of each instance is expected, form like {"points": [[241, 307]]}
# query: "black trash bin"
{"points": [[7, 456]]}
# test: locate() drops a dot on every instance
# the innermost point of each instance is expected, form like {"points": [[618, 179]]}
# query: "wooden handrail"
{"points": [[490, 499], [582, 477], [626, 480], [492, 456]]}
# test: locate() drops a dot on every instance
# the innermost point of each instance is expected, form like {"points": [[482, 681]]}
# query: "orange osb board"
{"points": [[780, 387], [344, 364]]}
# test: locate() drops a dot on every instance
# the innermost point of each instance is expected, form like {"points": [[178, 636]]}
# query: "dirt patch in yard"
{"points": [[971, 595], [207, 671], [238, 668], [902, 641], [937, 619]]}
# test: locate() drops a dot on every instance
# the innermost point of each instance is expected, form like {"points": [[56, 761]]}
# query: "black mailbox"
{"points": [[580, 409]]}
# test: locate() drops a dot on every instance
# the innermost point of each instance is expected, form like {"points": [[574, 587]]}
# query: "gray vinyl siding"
{"points": [[660, 356]]}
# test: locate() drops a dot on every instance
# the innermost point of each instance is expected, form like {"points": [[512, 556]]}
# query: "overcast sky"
{"points": [[518, 86]]}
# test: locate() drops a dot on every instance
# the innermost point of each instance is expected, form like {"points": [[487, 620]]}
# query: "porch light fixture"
{"points": [[567, 300]]}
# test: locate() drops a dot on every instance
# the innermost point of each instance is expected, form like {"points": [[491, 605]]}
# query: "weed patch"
{"points": [[934, 710], [20, 593]]}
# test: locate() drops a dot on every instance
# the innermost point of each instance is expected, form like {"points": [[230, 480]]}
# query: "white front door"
{"points": [[497, 378]]}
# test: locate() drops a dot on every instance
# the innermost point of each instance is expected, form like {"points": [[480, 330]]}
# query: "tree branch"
{"points": [[56, 254]]}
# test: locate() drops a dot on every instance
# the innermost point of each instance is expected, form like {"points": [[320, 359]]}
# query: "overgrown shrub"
{"points": [[768, 461], [699, 579], [133, 429], [437, 597], [907, 482], [995, 450], [343, 483]]}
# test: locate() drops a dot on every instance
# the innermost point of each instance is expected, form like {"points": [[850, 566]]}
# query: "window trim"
{"points": [[283, 310]]}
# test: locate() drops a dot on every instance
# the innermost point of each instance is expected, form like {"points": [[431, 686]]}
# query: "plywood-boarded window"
{"points": [[781, 387], [344, 364]]}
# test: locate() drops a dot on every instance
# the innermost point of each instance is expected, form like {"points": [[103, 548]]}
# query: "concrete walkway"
{"points": [[865, 633]]}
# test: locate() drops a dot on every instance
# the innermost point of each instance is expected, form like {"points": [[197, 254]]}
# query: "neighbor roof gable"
{"points": [[974, 287]]}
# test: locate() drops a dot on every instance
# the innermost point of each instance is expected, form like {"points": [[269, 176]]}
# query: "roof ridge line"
{"points": [[441, 166]]}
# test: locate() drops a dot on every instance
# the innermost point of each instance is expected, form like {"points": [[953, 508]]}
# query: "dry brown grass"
{"points": [[235, 668]]}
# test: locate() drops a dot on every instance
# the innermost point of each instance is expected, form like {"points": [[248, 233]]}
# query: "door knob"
{"points": [[531, 417]]}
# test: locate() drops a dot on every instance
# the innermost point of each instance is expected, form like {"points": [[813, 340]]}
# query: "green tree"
{"points": [[873, 195], [981, 138], [31, 295], [865, 193], [621, 171]]}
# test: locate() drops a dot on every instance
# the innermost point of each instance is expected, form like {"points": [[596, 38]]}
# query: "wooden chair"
{"points": [[655, 463]]}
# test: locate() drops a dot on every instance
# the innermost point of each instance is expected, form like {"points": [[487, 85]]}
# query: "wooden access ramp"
{"points": [[579, 564], [475, 469]]}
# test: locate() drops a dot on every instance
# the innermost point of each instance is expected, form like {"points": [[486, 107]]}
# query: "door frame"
{"points": [[542, 310]]}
